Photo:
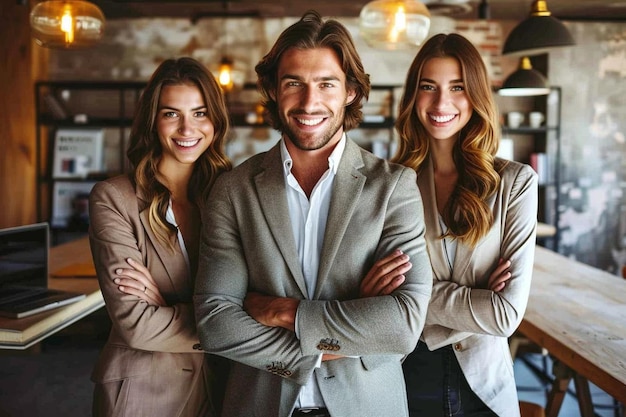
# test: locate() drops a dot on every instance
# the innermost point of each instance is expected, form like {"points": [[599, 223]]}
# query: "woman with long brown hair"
{"points": [[144, 235], [481, 215]]}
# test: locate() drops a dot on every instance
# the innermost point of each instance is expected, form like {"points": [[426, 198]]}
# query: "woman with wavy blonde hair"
{"points": [[144, 235], [481, 216]]}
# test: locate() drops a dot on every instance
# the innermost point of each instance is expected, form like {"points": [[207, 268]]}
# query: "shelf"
{"points": [[106, 106], [45, 120], [540, 148], [93, 85]]}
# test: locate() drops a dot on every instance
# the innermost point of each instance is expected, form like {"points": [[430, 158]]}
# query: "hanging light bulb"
{"points": [[67, 24], [224, 74], [394, 24], [227, 75]]}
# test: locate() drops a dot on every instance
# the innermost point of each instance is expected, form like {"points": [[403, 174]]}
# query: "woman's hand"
{"points": [[386, 275], [138, 281], [500, 275]]}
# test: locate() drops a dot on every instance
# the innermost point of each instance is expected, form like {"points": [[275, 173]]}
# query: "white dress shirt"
{"points": [[308, 221], [449, 246], [169, 216]]}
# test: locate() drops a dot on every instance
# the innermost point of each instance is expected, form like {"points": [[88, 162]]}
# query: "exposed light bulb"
{"points": [[67, 25], [224, 77]]}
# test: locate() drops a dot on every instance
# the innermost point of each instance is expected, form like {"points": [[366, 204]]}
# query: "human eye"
{"points": [[459, 87], [200, 113], [426, 87], [292, 84], [169, 114]]}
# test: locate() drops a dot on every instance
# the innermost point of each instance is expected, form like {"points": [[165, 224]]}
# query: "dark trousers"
{"points": [[437, 387]]}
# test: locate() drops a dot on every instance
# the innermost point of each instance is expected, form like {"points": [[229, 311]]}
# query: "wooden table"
{"points": [[23, 333], [578, 313]]}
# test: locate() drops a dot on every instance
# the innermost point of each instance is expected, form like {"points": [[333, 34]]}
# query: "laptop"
{"points": [[24, 273]]}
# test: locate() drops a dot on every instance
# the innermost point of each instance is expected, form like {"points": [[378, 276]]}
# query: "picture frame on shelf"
{"points": [[70, 204], [78, 152]]}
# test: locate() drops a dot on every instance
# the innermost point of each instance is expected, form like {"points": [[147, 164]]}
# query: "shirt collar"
{"points": [[333, 159]]}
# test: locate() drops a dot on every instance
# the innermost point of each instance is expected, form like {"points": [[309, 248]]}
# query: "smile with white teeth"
{"points": [[442, 119], [311, 122], [187, 143]]}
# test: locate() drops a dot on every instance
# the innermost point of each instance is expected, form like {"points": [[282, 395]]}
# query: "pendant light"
{"points": [[224, 74], [526, 81], [538, 33], [67, 24], [394, 24], [227, 76], [484, 12]]}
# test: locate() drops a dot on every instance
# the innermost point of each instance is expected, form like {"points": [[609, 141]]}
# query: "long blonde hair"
{"points": [[467, 213], [145, 151]]}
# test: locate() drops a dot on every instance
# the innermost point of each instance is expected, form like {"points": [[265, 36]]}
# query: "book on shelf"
{"points": [[20, 333], [539, 162], [77, 152]]}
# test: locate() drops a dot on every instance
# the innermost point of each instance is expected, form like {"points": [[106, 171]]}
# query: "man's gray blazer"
{"points": [[248, 245]]}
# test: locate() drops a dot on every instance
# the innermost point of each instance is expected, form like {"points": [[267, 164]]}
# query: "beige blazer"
{"points": [[248, 244], [149, 366], [462, 312]]}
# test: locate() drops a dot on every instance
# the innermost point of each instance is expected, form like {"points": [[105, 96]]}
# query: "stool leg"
{"points": [[584, 396], [562, 377]]}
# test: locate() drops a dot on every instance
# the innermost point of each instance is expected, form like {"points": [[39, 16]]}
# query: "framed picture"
{"points": [[70, 203], [77, 152]]}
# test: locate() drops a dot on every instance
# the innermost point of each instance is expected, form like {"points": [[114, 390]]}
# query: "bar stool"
{"points": [[518, 343]]}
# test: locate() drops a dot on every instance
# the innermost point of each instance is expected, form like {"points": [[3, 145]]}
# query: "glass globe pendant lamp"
{"points": [[394, 24], [67, 24]]}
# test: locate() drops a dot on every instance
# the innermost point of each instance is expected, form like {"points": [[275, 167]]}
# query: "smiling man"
{"points": [[314, 276]]}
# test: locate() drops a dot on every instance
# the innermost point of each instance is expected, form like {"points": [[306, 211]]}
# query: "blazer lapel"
{"points": [[173, 263], [347, 188], [426, 184], [270, 184]]}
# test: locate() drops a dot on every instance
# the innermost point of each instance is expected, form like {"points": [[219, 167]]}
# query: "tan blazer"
{"points": [[462, 312], [248, 244], [151, 364]]}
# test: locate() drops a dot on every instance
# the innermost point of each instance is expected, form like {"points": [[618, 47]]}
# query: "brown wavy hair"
{"points": [[310, 32], [145, 151], [467, 212]]}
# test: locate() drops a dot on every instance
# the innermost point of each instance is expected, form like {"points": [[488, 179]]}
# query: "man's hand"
{"points": [[386, 275], [276, 312], [272, 311]]}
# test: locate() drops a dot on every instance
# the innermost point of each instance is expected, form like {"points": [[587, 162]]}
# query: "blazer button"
{"points": [[458, 347], [197, 346]]}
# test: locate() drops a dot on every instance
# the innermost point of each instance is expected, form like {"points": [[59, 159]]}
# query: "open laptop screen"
{"points": [[24, 256]]}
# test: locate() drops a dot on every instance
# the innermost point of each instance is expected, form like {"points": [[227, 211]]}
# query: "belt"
{"points": [[310, 412]]}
